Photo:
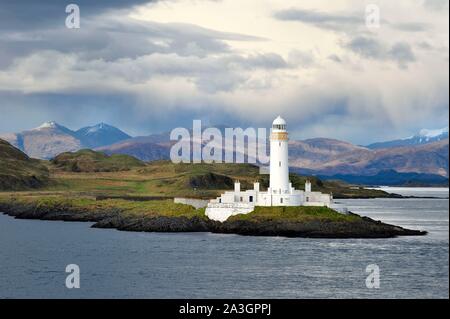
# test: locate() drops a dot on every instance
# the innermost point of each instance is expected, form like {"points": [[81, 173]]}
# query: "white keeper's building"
{"points": [[280, 191]]}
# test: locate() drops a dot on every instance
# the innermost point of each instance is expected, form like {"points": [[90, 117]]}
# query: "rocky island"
{"points": [[123, 193], [166, 216]]}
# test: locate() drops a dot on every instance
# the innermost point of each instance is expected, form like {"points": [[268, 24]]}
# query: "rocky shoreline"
{"points": [[360, 227]]}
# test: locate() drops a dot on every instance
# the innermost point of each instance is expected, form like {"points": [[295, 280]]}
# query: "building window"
{"points": [[241, 199], [279, 163], [250, 199], [307, 199], [220, 200], [281, 200]]}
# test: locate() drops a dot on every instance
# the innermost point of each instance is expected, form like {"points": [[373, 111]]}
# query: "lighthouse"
{"points": [[279, 165], [280, 192]]}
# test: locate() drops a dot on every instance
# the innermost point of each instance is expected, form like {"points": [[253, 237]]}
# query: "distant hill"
{"points": [[100, 135], [18, 171], [148, 148], [392, 178], [429, 158], [425, 136], [51, 139], [315, 154], [91, 161]]}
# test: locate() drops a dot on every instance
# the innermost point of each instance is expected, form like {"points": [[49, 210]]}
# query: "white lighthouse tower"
{"points": [[280, 191], [279, 166]]}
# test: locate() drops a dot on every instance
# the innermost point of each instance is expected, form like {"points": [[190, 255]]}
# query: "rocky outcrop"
{"points": [[114, 218], [156, 224], [364, 228]]}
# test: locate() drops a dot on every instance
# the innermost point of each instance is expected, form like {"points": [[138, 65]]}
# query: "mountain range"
{"points": [[51, 139], [423, 153], [424, 136]]}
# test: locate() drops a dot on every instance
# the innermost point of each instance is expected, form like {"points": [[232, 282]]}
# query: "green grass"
{"points": [[91, 161], [295, 214], [126, 208], [18, 171]]}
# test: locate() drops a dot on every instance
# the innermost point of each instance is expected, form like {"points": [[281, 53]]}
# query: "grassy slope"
{"points": [[18, 171], [163, 178], [90, 173], [91, 161], [61, 203]]}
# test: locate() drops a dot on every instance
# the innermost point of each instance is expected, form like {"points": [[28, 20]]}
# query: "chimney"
{"points": [[308, 186], [256, 186], [237, 187]]}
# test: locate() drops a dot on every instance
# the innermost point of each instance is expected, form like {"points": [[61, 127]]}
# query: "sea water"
{"points": [[113, 264]]}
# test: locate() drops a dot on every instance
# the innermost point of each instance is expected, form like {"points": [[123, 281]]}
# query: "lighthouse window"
{"points": [[279, 144], [279, 126], [279, 163]]}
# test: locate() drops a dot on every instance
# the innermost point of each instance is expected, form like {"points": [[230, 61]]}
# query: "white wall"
{"points": [[197, 203], [221, 212]]}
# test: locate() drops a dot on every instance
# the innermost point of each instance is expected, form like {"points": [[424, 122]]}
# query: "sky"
{"points": [[150, 66]]}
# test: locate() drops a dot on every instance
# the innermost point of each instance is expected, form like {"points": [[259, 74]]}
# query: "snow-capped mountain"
{"points": [[100, 135], [50, 139], [424, 136], [45, 141]]}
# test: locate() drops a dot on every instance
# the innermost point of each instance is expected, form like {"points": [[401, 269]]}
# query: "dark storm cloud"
{"points": [[28, 26], [31, 14], [112, 36]]}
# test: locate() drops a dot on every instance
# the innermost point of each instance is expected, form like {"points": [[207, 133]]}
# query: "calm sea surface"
{"points": [[113, 264]]}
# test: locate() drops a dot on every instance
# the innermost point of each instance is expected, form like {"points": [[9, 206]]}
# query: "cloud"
{"points": [[402, 53], [352, 23], [367, 47], [109, 38], [412, 27], [399, 52], [150, 68], [322, 19], [436, 5]]}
